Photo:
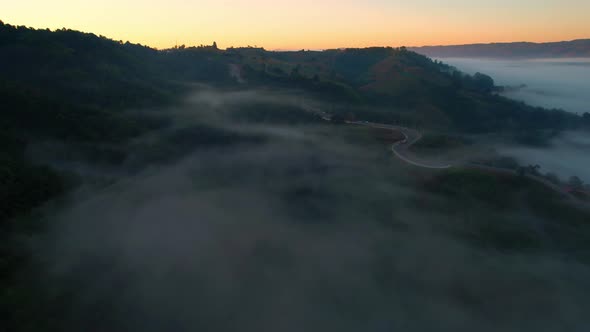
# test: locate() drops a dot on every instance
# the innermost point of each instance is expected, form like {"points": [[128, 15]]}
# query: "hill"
{"points": [[79, 89], [566, 49], [80, 70], [396, 85]]}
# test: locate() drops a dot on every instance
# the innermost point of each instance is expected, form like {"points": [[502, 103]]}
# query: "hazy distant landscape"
{"points": [[551, 83], [207, 188], [565, 156], [579, 48]]}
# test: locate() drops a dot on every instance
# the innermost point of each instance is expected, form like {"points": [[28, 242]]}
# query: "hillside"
{"points": [[79, 88], [396, 85], [96, 73], [566, 49], [82, 90]]}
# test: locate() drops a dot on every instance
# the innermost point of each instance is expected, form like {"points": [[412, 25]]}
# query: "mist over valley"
{"points": [[549, 83]]}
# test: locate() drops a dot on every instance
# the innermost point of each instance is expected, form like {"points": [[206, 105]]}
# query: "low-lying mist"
{"points": [[566, 156], [298, 225], [550, 83]]}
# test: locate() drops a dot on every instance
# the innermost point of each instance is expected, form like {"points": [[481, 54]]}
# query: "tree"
{"points": [[533, 169], [215, 45], [483, 82]]}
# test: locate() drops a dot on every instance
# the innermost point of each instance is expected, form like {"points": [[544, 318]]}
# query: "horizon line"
{"points": [[297, 49]]}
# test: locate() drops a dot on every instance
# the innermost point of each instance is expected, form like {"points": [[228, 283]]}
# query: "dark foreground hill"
{"points": [[566, 49]]}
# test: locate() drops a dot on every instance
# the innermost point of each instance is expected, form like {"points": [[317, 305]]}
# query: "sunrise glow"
{"points": [[309, 24]]}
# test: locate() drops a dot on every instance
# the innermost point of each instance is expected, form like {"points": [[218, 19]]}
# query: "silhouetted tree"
{"points": [[483, 82], [533, 169]]}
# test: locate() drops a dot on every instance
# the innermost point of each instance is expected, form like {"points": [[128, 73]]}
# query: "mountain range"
{"points": [[579, 48]]}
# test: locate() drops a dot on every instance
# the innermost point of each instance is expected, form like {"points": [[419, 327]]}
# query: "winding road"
{"points": [[412, 136], [400, 148]]}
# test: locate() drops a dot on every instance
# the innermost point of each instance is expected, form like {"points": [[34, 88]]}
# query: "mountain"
{"points": [[566, 49]]}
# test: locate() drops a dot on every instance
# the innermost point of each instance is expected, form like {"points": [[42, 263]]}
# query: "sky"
{"points": [[309, 24]]}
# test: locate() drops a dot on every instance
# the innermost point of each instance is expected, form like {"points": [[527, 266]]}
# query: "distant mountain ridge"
{"points": [[579, 48]]}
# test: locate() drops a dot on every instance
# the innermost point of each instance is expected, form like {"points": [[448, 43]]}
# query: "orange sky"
{"points": [[309, 24]]}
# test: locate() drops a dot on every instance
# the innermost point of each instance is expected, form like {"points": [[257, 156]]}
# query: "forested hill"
{"points": [[83, 71], [566, 49], [78, 87]]}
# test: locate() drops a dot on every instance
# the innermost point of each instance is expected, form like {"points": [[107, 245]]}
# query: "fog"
{"points": [[566, 156], [312, 228], [550, 83]]}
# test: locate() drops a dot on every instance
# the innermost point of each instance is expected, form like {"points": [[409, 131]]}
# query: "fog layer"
{"points": [[549, 83], [313, 228], [554, 83], [568, 155]]}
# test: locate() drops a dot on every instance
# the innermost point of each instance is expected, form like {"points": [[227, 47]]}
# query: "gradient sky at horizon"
{"points": [[309, 24]]}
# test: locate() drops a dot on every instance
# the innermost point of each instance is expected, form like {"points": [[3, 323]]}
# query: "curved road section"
{"points": [[400, 148], [412, 136]]}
